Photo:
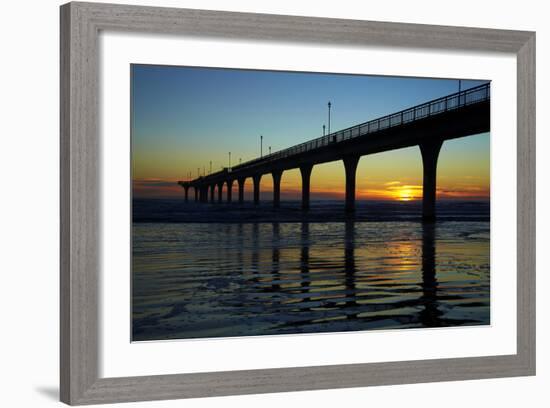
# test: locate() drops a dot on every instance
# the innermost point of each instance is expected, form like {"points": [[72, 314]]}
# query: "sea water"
{"points": [[219, 270]]}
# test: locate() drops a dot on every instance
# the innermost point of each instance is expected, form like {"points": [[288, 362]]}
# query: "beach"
{"points": [[224, 270]]}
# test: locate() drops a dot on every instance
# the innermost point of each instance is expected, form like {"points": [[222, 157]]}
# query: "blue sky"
{"points": [[185, 117]]}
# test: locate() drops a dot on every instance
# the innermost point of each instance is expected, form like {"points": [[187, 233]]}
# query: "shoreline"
{"points": [[418, 220], [176, 211]]}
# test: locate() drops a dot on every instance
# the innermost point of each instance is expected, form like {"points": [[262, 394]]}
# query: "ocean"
{"points": [[225, 270]]}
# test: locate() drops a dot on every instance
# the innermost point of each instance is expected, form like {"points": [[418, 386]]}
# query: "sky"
{"points": [[184, 118]]}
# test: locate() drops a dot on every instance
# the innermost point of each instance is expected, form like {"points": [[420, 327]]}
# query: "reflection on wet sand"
{"points": [[305, 279], [349, 268], [429, 316], [300, 277], [275, 258], [255, 252], [346, 300]]}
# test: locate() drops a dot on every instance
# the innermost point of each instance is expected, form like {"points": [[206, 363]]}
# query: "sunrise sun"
{"points": [[405, 193]]}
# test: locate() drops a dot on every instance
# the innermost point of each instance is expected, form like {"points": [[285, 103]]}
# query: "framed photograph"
{"points": [[261, 203]]}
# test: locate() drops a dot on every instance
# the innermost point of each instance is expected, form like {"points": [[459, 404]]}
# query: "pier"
{"points": [[427, 126]]}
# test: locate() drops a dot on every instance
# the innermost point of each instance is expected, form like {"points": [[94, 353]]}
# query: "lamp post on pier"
{"points": [[329, 106]]}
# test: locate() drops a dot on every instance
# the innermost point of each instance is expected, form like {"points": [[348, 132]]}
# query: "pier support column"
{"points": [[186, 188], [196, 193], [277, 188], [220, 190], [204, 194], [305, 171], [350, 164], [212, 192], [256, 180], [430, 153], [241, 189], [229, 190]]}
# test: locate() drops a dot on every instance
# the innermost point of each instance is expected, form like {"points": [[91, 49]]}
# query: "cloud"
{"points": [[400, 187], [152, 182], [156, 188]]}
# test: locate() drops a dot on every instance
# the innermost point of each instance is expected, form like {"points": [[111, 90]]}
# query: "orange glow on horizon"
{"points": [[389, 191], [463, 174], [400, 192], [405, 194]]}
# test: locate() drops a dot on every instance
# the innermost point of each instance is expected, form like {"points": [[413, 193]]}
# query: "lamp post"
{"points": [[261, 146], [210, 167], [229, 160], [329, 105], [324, 130], [198, 171], [269, 149], [240, 160]]}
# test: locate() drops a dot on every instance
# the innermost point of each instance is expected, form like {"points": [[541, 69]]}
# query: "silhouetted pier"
{"points": [[426, 125]]}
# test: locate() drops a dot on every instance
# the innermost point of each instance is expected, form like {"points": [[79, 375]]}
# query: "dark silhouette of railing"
{"points": [[428, 109]]}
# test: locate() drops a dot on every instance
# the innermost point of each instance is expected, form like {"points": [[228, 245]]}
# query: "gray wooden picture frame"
{"points": [[80, 234]]}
